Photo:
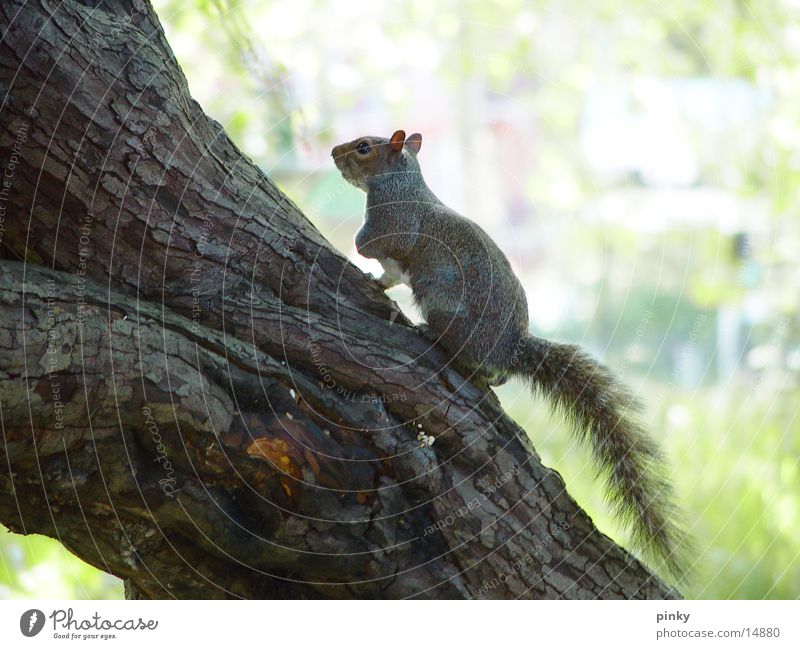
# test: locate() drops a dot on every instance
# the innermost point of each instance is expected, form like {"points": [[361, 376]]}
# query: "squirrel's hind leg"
{"points": [[481, 375], [486, 378], [428, 334]]}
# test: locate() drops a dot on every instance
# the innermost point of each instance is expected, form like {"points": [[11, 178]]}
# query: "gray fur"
{"points": [[476, 309]]}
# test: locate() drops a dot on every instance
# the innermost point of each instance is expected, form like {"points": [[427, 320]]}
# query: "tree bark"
{"points": [[201, 396]]}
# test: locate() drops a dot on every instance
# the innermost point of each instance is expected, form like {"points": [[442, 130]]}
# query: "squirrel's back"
{"points": [[467, 291]]}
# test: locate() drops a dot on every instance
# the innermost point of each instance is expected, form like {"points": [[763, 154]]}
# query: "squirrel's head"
{"points": [[370, 157]]}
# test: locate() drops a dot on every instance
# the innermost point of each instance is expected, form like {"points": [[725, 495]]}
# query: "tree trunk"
{"points": [[200, 395]]}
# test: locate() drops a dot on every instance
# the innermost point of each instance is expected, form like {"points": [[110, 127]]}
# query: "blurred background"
{"points": [[638, 161]]}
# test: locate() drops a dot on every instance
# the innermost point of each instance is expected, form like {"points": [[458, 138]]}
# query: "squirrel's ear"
{"points": [[414, 143], [397, 140]]}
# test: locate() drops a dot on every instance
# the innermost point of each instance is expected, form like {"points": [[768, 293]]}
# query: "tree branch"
{"points": [[203, 397]]}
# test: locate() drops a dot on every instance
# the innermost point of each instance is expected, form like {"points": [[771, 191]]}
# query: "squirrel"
{"points": [[475, 307]]}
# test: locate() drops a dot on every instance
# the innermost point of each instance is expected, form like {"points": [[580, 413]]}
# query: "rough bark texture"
{"points": [[199, 395]]}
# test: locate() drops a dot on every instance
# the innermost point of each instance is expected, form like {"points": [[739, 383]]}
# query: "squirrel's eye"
{"points": [[362, 147]]}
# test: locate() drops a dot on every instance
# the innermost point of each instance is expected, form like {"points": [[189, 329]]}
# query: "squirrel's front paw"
{"points": [[380, 281]]}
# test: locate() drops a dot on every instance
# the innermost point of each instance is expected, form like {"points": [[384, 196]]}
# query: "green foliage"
{"points": [[655, 300], [734, 462], [39, 567]]}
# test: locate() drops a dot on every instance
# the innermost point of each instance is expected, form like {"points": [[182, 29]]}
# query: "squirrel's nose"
{"points": [[336, 151]]}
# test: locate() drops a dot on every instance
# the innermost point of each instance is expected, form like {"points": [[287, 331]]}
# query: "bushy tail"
{"points": [[600, 410]]}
